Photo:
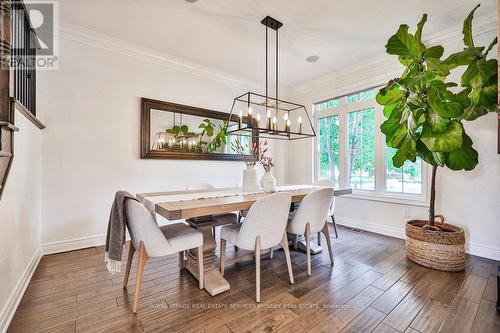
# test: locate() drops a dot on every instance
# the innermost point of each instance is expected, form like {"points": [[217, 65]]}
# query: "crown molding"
{"points": [[376, 71], [96, 39]]}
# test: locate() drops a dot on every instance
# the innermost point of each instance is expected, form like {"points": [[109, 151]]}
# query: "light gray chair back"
{"points": [[142, 227], [328, 183], [313, 210], [266, 218]]}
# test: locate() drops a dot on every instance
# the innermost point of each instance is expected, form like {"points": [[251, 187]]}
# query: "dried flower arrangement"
{"points": [[266, 161], [255, 152]]}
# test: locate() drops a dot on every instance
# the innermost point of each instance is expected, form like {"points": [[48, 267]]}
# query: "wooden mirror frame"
{"points": [[148, 104]]}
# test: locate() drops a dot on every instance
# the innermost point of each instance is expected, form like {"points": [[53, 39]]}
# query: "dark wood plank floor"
{"points": [[372, 287]]}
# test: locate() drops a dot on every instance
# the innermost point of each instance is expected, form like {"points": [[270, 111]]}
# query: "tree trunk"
{"points": [[433, 196]]}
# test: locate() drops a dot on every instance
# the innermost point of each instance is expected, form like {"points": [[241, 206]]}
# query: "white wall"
{"points": [[91, 108], [20, 218], [468, 199]]}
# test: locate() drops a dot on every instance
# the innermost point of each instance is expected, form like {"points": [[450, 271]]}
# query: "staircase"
{"points": [[6, 151]]}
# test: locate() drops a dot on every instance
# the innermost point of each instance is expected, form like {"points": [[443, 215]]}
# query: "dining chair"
{"points": [[154, 241], [310, 218], [220, 219], [263, 228], [331, 212]]}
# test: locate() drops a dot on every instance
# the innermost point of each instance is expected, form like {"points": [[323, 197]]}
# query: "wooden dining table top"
{"points": [[208, 206]]}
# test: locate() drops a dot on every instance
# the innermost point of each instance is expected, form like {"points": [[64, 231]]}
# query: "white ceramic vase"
{"points": [[250, 182], [268, 182]]}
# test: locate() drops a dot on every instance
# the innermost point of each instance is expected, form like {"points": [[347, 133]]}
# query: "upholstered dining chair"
{"points": [[263, 228], [150, 241], [310, 218], [221, 219], [331, 212]]}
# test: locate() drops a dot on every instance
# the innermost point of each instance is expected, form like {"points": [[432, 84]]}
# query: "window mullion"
{"points": [[380, 172]]}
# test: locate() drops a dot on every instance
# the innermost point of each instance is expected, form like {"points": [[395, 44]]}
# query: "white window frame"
{"points": [[380, 193]]}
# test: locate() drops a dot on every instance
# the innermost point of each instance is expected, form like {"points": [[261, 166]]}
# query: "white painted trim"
{"points": [[17, 294], [398, 232], [484, 251], [103, 41], [378, 70], [73, 244], [471, 248]]}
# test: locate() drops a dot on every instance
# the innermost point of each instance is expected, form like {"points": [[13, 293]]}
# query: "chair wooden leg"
{"points": [[284, 244], [308, 247], [131, 251], [143, 258], [199, 254], [335, 226], [319, 238], [182, 261], [328, 242], [257, 269], [222, 255]]}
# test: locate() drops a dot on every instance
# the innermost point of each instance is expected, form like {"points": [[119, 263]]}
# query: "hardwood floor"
{"points": [[372, 287]]}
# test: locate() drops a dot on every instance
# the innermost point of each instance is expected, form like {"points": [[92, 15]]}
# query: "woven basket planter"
{"points": [[441, 250]]}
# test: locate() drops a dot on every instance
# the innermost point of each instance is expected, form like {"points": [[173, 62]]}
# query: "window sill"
{"points": [[408, 200]]}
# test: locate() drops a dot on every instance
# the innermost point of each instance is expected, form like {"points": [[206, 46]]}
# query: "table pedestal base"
{"points": [[213, 280]]}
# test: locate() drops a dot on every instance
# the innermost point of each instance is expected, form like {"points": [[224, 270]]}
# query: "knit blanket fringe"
{"points": [[114, 266]]}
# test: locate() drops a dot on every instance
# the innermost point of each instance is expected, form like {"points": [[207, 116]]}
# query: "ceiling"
{"points": [[226, 35]]}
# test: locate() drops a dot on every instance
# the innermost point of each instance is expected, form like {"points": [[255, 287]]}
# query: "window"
{"points": [[351, 150], [328, 149], [361, 149], [407, 179]]}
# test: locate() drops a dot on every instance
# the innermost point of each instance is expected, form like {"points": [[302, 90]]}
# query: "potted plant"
{"points": [[425, 112]]}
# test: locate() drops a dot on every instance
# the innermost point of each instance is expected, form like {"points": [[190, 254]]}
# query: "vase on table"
{"points": [[250, 183], [268, 182]]}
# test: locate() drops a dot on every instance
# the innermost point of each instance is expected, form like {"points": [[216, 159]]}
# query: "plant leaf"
{"points": [[446, 141], [467, 28], [433, 158], [407, 151], [490, 47], [463, 158], [391, 96], [438, 124], [420, 27], [463, 58], [434, 52], [444, 102], [404, 44], [437, 66]]}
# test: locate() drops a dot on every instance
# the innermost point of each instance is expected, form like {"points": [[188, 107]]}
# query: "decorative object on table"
{"points": [[425, 114], [268, 182], [250, 183], [274, 109], [175, 131]]}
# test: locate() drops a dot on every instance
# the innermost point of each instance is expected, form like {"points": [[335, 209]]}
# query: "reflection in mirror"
{"points": [[172, 130], [177, 132]]}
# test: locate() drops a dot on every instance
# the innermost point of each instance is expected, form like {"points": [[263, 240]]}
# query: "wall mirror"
{"points": [[176, 131]]}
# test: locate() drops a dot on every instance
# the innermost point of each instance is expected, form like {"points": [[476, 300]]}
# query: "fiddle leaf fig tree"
{"points": [[425, 111]]}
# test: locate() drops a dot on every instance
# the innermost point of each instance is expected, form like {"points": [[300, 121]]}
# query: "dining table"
{"points": [[196, 206]]}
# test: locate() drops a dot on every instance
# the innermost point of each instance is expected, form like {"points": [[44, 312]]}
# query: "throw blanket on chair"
{"points": [[115, 237]]}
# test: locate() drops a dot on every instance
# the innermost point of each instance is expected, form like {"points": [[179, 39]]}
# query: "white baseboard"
{"points": [[398, 232], [73, 244], [483, 250], [17, 294], [472, 248]]}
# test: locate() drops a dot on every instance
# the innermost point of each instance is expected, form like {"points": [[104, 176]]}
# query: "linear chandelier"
{"points": [[263, 116]]}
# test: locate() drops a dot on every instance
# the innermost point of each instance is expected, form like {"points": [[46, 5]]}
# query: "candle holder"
{"points": [[278, 117]]}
